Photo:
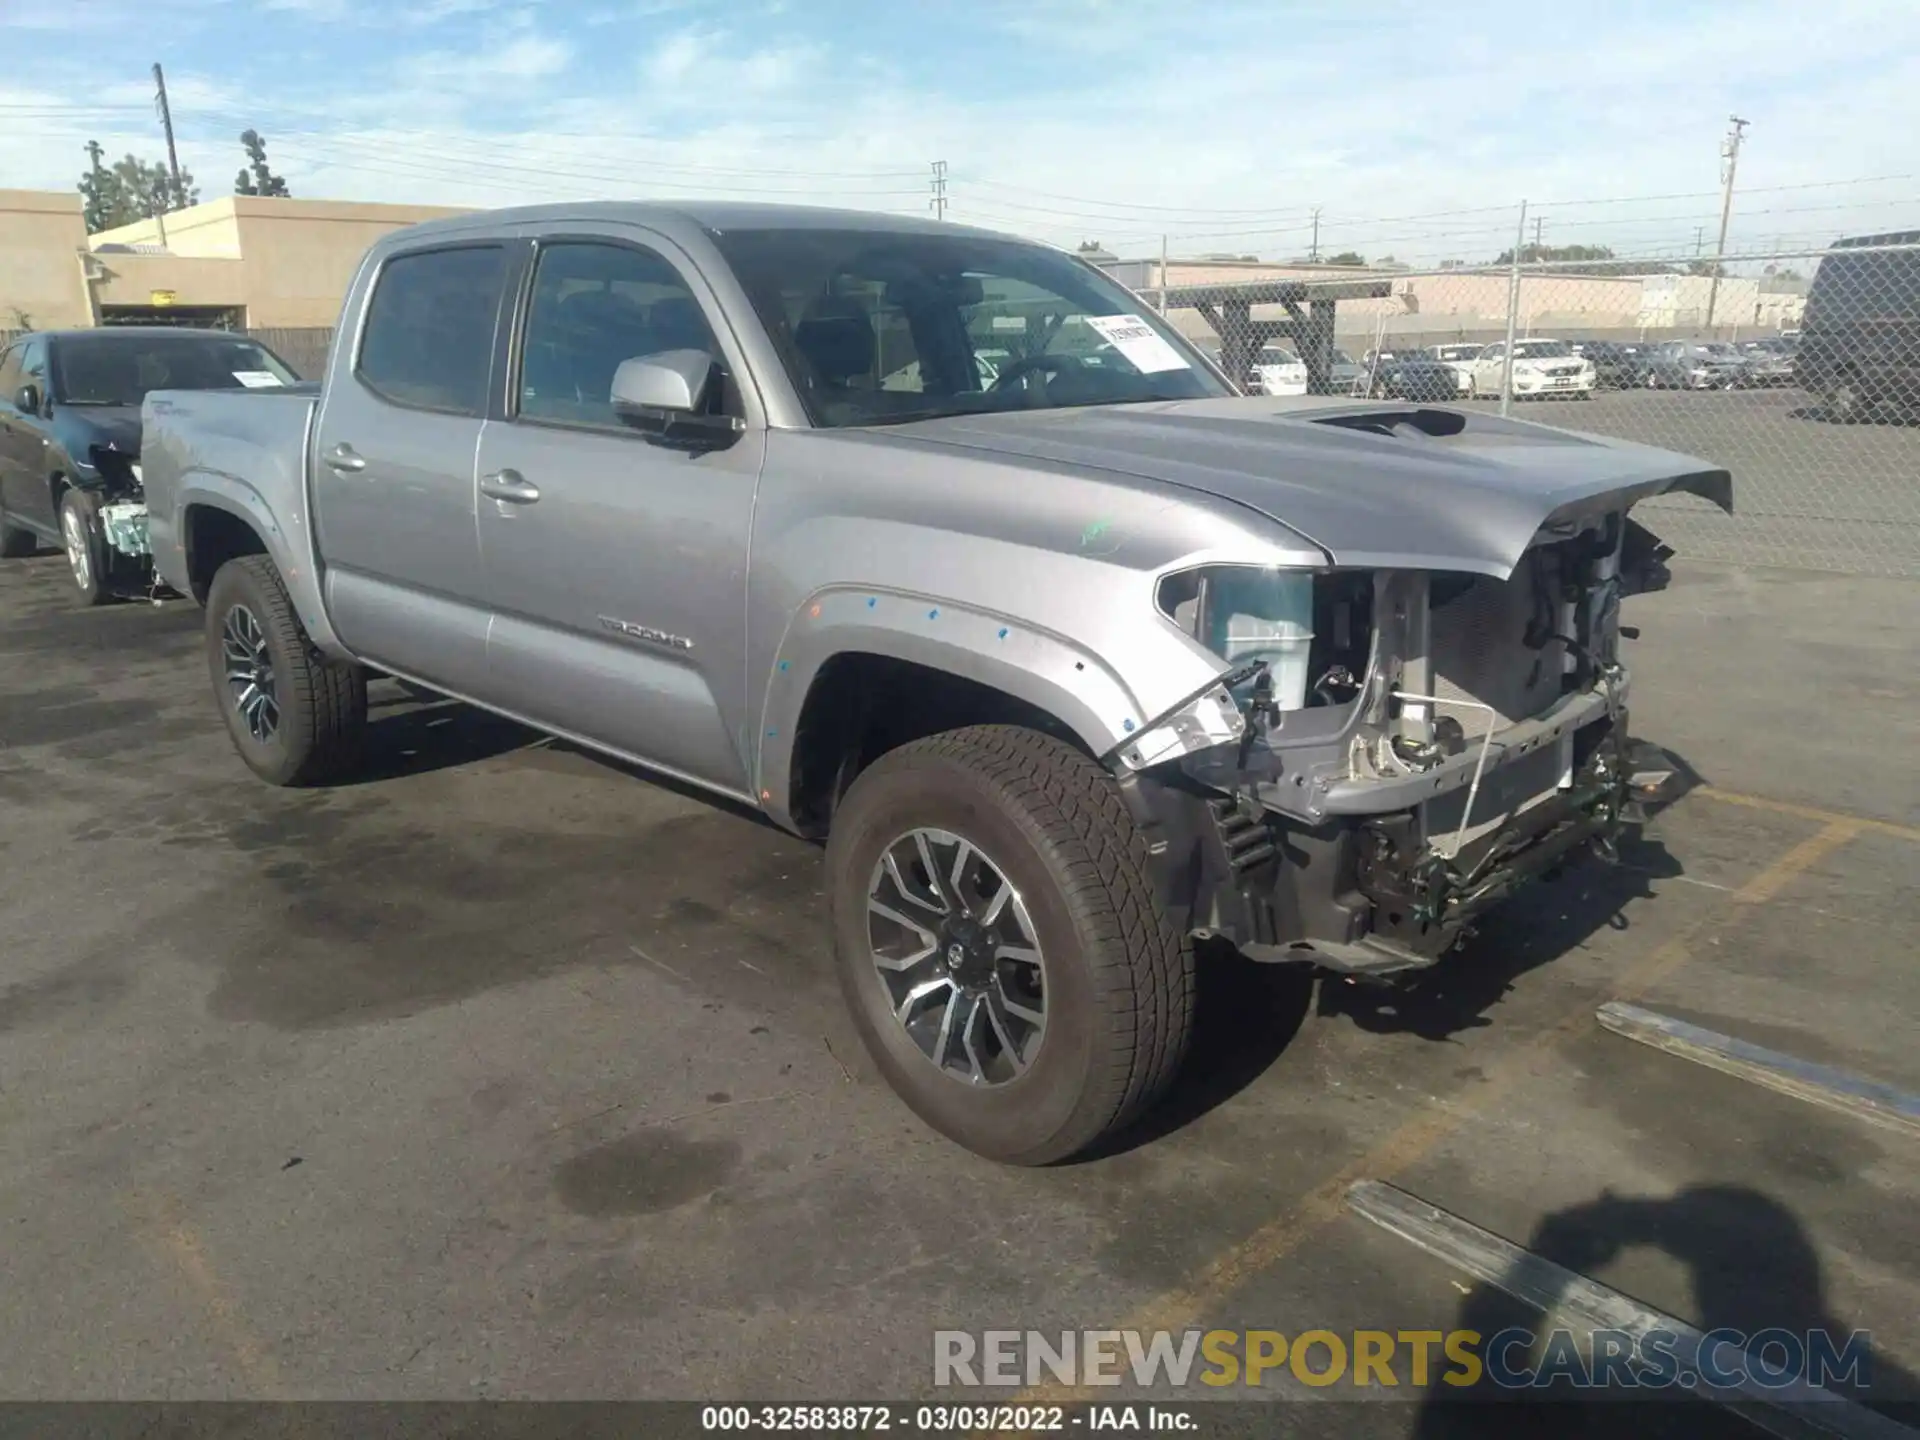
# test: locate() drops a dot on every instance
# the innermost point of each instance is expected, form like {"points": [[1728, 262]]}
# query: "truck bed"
{"points": [[243, 450]]}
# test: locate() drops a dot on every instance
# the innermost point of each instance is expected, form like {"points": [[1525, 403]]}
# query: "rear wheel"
{"points": [[999, 945], [86, 551], [296, 717]]}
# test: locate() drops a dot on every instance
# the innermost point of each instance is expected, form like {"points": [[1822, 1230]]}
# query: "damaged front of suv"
{"points": [[1399, 740]]}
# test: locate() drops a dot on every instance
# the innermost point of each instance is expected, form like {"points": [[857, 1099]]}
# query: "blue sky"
{"points": [[1415, 128]]}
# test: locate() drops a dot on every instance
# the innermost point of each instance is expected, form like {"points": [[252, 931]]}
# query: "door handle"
{"points": [[510, 486], [342, 457]]}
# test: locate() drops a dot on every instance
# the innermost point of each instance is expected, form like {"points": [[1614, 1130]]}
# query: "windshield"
{"points": [[1541, 349], [876, 328], [1274, 356], [119, 369]]}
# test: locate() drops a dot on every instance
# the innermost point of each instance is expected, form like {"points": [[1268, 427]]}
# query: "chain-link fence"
{"points": [[1799, 371]]}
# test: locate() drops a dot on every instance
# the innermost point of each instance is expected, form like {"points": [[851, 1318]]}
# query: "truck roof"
{"points": [[715, 215]]}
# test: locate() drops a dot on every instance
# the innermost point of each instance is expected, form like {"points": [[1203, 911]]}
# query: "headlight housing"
{"points": [[1244, 613]]}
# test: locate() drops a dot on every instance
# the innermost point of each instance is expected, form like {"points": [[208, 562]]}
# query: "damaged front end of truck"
{"points": [[1392, 751]]}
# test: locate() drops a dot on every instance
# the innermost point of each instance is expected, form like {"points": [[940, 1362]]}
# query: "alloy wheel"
{"points": [[249, 672], [956, 952], [79, 551]]}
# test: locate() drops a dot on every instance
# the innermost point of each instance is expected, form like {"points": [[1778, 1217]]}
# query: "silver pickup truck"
{"points": [[1073, 656]]}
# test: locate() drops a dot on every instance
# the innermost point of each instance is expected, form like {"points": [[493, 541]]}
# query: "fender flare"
{"points": [[1036, 666], [218, 491]]}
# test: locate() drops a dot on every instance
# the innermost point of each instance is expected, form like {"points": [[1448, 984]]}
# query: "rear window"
{"points": [[1871, 285], [428, 340]]}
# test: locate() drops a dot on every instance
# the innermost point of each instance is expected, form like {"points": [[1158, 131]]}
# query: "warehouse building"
{"points": [[240, 262]]}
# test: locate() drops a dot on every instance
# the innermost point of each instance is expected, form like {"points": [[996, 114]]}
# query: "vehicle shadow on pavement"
{"points": [[1752, 1267], [412, 732], [1534, 928], [1820, 415], [1245, 1015]]}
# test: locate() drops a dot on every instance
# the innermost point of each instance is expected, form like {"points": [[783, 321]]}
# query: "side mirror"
{"points": [[664, 395], [27, 397]]}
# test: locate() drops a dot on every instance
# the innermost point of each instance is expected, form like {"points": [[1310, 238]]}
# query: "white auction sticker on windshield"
{"points": [[257, 379], [1139, 342]]}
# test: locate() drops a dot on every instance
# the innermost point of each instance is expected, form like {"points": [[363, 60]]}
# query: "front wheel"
{"points": [[86, 551], [999, 945], [296, 717]]}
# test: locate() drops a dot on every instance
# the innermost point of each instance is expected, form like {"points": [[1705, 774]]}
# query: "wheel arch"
{"points": [[864, 673]]}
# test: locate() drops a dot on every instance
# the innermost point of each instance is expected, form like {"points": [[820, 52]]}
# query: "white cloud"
{"points": [[1076, 119]]}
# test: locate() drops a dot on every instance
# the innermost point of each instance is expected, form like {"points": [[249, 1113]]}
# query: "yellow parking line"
{"points": [[1807, 812], [1183, 1308], [170, 1234]]}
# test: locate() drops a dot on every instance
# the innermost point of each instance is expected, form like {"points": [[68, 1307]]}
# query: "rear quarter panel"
{"points": [[244, 452]]}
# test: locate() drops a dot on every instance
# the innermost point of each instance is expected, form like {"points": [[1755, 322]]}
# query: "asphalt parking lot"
{"points": [[509, 1072], [1810, 493]]}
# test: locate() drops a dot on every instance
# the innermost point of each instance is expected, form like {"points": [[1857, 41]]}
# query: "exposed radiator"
{"points": [[1479, 649]]}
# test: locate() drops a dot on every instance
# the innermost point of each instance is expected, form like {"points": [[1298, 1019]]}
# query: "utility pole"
{"points": [[1538, 222], [938, 204], [1730, 156], [1163, 274], [1313, 250], [1513, 313], [166, 124]]}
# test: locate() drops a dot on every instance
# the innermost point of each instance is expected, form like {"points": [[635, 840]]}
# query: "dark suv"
{"points": [[70, 436], [1860, 338]]}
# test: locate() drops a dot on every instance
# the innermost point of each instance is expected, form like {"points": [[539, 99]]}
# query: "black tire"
{"points": [[321, 704], [1118, 976], [84, 546], [15, 543]]}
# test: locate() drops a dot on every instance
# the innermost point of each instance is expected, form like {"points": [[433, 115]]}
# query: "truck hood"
{"points": [[1373, 485]]}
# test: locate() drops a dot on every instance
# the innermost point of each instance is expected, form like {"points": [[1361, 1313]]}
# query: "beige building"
{"points": [[1427, 307], [241, 260]]}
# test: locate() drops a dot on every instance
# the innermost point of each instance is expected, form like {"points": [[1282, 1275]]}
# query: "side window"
{"points": [[428, 340], [1494, 352], [33, 367], [593, 307]]}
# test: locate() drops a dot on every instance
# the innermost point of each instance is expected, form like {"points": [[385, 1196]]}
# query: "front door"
{"points": [[616, 564], [24, 491], [393, 471], [1488, 368]]}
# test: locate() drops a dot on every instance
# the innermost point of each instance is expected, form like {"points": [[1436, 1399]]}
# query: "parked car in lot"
{"points": [[1694, 365], [1407, 375], [1769, 361], [623, 472], [1277, 371], [1617, 365], [1540, 367], [1860, 336], [1344, 371], [1459, 355], [70, 437]]}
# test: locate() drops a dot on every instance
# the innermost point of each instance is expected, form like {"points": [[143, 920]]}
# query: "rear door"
{"points": [[393, 468], [617, 564]]}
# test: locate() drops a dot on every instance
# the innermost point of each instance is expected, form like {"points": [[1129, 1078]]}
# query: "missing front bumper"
{"points": [[1364, 893]]}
